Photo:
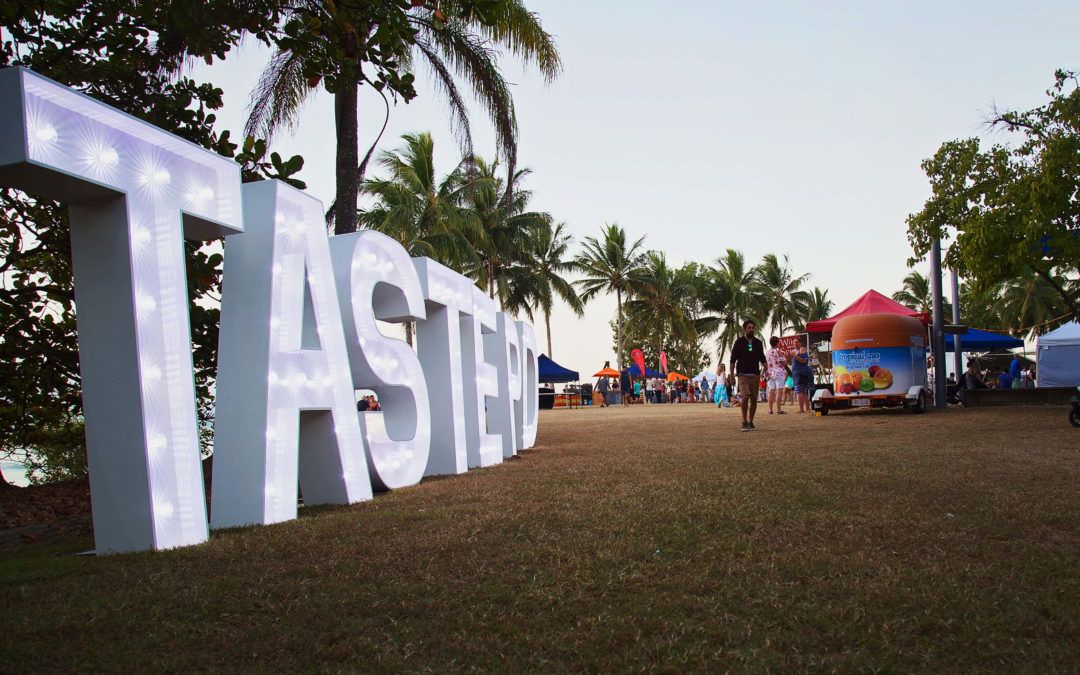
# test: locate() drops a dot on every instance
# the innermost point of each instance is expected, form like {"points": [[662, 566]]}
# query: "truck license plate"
{"points": [[860, 403]]}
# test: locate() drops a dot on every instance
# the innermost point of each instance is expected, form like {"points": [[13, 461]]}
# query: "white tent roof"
{"points": [[1069, 334], [707, 374]]}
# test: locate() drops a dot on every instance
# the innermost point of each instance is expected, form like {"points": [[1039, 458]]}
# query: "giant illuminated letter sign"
{"points": [[501, 349], [528, 415], [377, 281], [481, 382], [135, 192], [438, 344], [284, 397]]}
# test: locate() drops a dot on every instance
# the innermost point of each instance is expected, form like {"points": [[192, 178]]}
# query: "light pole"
{"points": [[958, 351], [937, 333]]}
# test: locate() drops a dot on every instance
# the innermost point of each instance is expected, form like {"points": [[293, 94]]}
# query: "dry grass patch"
{"points": [[658, 536]]}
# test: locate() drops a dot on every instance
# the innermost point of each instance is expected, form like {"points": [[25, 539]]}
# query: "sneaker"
{"points": [[746, 426], [750, 426]]}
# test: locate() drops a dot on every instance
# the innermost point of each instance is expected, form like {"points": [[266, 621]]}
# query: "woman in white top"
{"points": [[776, 375]]}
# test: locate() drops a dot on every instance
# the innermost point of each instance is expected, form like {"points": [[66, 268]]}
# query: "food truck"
{"points": [[878, 361]]}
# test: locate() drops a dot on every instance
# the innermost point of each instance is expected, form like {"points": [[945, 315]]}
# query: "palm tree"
{"points": [[819, 308], [450, 39], [780, 289], [1030, 305], [608, 266], [661, 301], [422, 213], [917, 294], [505, 226], [732, 295], [539, 278]]}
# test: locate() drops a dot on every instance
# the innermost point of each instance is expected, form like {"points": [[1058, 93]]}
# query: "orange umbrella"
{"points": [[607, 372], [672, 376]]}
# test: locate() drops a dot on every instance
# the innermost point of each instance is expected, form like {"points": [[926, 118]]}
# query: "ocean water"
{"points": [[14, 472]]}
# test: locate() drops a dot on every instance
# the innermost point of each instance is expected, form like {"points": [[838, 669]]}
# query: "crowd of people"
{"points": [[774, 376]]}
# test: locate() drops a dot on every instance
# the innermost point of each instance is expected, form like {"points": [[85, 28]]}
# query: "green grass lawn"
{"points": [[653, 538]]}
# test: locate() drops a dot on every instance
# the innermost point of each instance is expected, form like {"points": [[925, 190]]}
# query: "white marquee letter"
{"points": [[501, 348], [439, 348], [284, 400], [481, 382], [527, 421], [376, 280], [135, 193]]}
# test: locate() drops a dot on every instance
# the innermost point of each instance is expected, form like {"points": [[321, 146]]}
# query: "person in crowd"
{"points": [[637, 389], [650, 390], [363, 404], [1004, 380], [1016, 371], [1031, 378], [373, 404], [705, 393], [970, 380], [721, 384], [776, 375], [626, 388], [802, 376], [747, 358], [603, 387], [789, 388]]}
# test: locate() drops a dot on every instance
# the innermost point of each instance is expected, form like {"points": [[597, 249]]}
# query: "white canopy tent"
{"points": [[707, 374], [1058, 357]]}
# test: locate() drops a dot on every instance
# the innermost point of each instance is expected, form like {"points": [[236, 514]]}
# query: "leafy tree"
{"points": [[1011, 208], [732, 296], [917, 294], [662, 302], [344, 45], [819, 308], [608, 266], [506, 228], [106, 49], [540, 277], [780, 292], [1030, 305]]}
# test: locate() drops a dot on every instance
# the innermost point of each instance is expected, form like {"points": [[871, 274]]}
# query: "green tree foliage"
{"points": [[506, 229], [1011, 209], [344, 45], [781, 294], [915, 293], [539, 277], [608, 265], [125, 54]]}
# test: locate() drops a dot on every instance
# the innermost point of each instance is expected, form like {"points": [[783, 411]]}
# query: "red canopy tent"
{"points": [[871, 302]]}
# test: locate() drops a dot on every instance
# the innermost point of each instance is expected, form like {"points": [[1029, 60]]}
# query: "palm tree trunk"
{"points": [[348, 153], [547, 323], [618, 314], [409, 332], [491, 280]]}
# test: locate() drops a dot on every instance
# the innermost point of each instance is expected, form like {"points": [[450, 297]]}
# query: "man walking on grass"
{"points": [[747, 357]]}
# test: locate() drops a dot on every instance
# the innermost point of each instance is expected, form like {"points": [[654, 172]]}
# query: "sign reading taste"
{"points": [[298, 335]]}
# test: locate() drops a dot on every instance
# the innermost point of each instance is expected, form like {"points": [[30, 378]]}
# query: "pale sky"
{"points": [[785, 127]]}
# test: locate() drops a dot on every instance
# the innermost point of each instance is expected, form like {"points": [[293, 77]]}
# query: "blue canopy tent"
{"points": [[975, 340], [551, 372], [649, 372]]}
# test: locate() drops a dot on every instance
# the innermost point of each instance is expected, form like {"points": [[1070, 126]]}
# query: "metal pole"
{"points": [[937, 334], [958, 349]]}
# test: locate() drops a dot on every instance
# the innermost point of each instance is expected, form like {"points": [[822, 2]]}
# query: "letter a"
{"points": [[284, 400]]}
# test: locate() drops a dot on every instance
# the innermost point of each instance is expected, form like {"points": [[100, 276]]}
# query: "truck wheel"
{"points": [[824, 411], [920, 404]]}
